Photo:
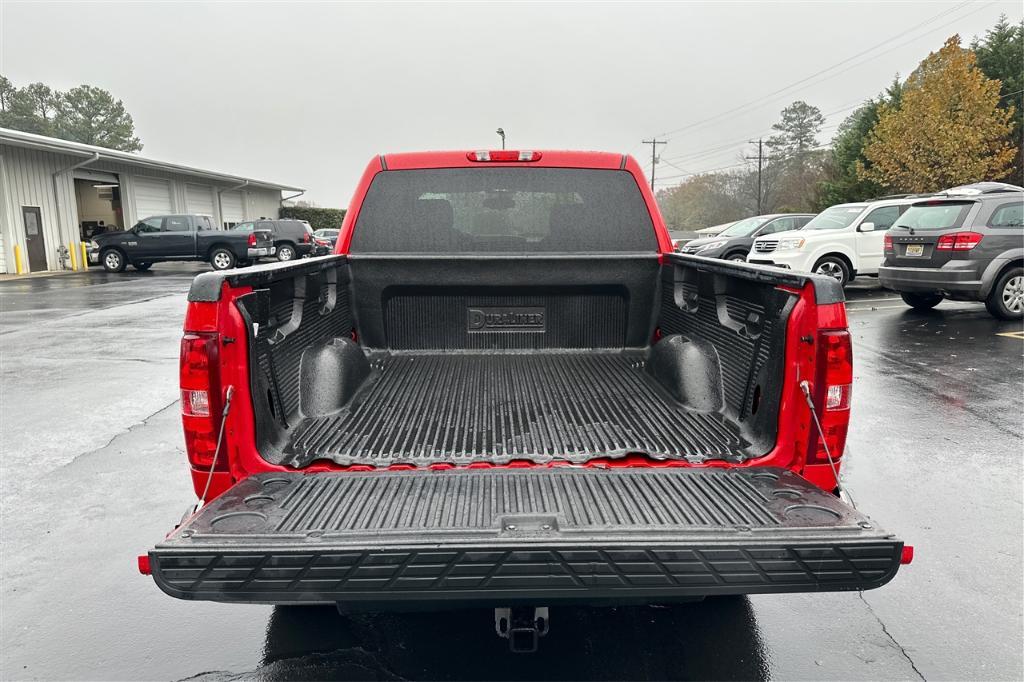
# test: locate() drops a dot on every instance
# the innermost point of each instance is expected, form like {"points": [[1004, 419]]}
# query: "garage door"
{"points": [[199, 199], [231, 208], [152, 197]]}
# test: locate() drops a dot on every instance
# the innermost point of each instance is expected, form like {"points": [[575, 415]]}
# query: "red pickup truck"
{"points": [[504, 389]]}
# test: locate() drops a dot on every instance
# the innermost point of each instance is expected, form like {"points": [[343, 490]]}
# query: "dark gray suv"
{"points": [[292, 238], [734, 242], [966, 244]]}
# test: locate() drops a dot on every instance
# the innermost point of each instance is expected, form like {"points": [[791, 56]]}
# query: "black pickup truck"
{"points": [[178, 237]]}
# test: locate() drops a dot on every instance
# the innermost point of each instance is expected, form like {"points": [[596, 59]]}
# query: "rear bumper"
{"points": [[261, 252], [508, 537], [956, 277]]}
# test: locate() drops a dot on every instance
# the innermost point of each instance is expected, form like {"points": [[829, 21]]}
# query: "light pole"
{"points": [[501, 132]]}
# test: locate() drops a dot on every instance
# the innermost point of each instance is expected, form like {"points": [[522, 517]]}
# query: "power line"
{"points": [[709, 151], [744, 163], [769, 97], [717, 151], [729, 145], [703, 172], [762, 98], [673, 165]]}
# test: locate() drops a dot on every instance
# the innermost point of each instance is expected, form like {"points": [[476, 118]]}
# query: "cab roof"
{"points": [[461, 159]]}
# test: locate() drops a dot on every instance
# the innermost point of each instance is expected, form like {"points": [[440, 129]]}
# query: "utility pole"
{"points": [[501, 132], [760, 164], [654, 156]]}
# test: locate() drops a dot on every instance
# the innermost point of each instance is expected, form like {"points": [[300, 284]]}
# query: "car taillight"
{"points": [[832, 393], [252, 239], [958, 241], [503, 155], [201, 400], [305, 237], [887, 243]]}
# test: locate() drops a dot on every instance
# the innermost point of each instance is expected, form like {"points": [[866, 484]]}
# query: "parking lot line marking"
{"points": [[1012, 335], [875, 307], [872, 300]]}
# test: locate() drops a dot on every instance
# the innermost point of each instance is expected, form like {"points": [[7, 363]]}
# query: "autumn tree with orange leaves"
{"points": [[947, 129]]}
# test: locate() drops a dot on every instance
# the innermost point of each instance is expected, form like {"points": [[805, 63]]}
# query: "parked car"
{"points": [[966, 245], [324, 241], [681, 237], [178, 238], [385, 428], [321, 247], [734, 242], [328, 234], [292, 238], [841, 242], [713, 230]]}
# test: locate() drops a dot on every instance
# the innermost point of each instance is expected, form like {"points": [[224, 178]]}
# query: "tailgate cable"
{"points": [[843, 492], [220, 438]]}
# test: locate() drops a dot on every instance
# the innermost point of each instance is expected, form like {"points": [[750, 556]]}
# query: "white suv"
{"points": [[842, 241]]}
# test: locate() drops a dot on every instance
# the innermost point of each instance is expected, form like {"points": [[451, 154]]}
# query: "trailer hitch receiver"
{"points": [[522, 626]]}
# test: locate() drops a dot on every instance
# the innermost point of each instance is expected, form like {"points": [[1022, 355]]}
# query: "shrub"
{"points": [[318, 218]]}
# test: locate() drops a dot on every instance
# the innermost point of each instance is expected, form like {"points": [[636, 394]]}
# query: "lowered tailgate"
{"points": [[500, 536]]}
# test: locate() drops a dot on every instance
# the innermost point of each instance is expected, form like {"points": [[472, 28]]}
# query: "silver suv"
{"points": [[966, 244]]}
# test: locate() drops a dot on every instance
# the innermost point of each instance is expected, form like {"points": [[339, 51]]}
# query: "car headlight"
{"points": [[94, 245], [792, 243], [710, 245]]}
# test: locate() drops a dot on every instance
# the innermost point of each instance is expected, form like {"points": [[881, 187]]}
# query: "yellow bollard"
{"points": [[85, 256], [74, 257], [18, 267]]}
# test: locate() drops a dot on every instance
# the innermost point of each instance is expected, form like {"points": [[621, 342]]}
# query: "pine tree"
{"points": [[1001, 57], [91, 115]]}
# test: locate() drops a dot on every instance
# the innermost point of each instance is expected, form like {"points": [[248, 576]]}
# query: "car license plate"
{"points": [[915, 249]]}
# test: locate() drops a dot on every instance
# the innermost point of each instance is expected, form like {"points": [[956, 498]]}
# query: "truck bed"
{"points": [[421, 408]]}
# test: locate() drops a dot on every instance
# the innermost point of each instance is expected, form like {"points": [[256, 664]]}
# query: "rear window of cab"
{"points": [[504, 210]]}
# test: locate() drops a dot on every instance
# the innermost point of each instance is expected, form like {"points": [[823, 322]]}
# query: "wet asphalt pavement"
{"points": [[93, 472]]}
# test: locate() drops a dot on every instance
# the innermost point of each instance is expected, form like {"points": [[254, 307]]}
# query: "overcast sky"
{"points": [[306, 94]]}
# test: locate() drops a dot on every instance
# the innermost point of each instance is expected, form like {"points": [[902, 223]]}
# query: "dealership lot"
{"points": [[93, 473]]}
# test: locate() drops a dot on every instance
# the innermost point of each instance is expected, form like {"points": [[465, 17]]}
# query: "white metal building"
{"points": [[55, 193]]}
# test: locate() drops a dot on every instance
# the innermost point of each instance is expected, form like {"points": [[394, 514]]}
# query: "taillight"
{"points": [[958, 241], [503, 155], [833, 391], [305, 237], [201, 399], [887, 243], [252, 239]]}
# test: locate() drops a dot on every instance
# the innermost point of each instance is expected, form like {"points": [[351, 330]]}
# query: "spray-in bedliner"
{"points": [[423, 408]]}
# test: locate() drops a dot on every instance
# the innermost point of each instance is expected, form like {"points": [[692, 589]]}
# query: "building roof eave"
{"points": [[29, 140]]}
